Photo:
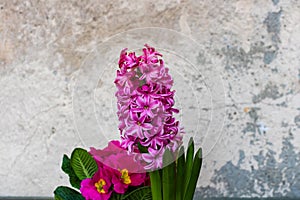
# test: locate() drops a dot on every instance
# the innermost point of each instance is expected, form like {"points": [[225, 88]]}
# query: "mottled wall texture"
{"points": [[254, 44]]}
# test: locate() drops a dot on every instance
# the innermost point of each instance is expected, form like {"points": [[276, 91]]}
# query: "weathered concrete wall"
{"points": [[251, 47]]}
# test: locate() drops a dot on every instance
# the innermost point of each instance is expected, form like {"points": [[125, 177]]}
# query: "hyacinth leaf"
{"points": [[194, 177], [180, 174], [67, 168], [143, 193], [188, 164], [168, 175], [156, 188], [66, 193], [83, 164]]}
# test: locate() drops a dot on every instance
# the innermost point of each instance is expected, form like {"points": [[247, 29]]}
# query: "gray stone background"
{"points": [[254, 43]]}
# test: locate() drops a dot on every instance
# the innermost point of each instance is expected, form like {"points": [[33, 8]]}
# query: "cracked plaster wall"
{"points": [[43, 44]]}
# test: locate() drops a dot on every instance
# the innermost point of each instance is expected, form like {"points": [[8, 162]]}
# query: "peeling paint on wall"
{"points": [[270, 91], [273, 27], [297, 120], [270, 178]]}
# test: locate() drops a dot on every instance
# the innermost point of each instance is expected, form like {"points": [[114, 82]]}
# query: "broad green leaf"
{"points": [[83, 164], [66, 193], [147, 196], [142, 193], [194, 177], [188, 164], [67, 168], [180, 174], [168, 176], [156, 187]]}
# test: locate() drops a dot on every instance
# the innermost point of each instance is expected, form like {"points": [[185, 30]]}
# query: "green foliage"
{"points": [[156, 187], [188, 164], [178, 180], [67, 168], [83, 164], [169, 175], [143, 193], [194, 177], [115, 196], [66, 193], [180, 174]]}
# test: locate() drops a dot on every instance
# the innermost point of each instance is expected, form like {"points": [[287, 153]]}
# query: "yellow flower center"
{"points": [[99, 185], [125, 177]]}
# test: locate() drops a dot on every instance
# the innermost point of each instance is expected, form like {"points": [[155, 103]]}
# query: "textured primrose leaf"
{"points": [[116, 196], [67, 168], [66, 193], [83, 164], [142, 193]]}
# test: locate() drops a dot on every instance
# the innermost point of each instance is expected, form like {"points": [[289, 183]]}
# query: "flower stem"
{"points": [[169, 176], [156, 185]]}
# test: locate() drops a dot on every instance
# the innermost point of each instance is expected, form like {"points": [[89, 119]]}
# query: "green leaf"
{"points": [[195, 175], [156, 187], [83, 164], [142, 193], [66, 193], [168, 175], [116, 196], [188, 164], [66, 165], [67, 168], [180, 174]]}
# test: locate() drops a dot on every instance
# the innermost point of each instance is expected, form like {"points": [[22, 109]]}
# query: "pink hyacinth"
{"points": [[146, 105]]}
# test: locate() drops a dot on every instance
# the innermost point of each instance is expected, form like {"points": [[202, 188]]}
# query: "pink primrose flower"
{"points": [[99, 186]]}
